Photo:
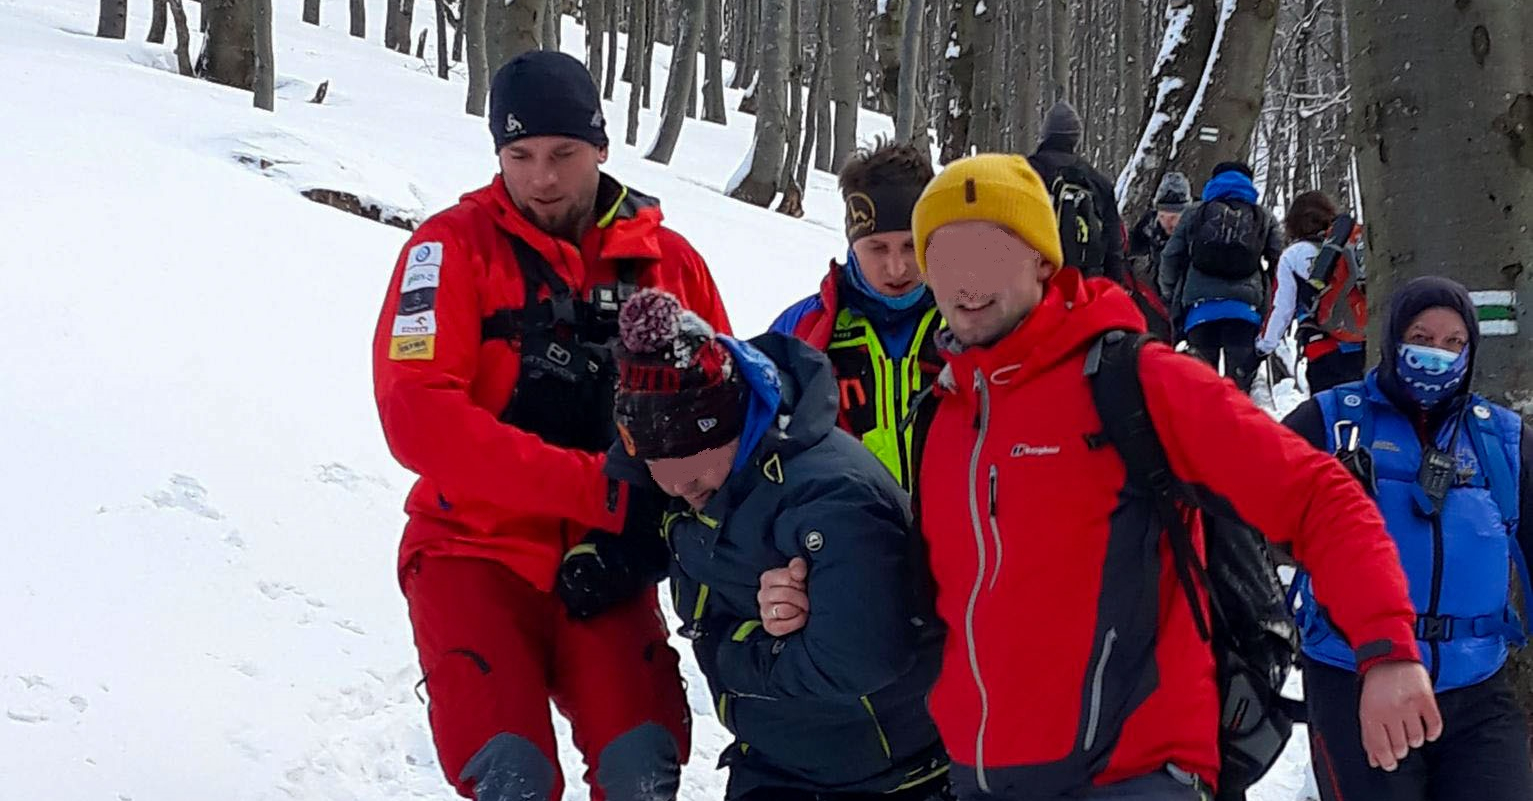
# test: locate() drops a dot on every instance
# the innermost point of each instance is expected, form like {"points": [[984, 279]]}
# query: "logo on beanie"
{"points": [[861, 215], [707, 424], [598, 121], [514, 126]]}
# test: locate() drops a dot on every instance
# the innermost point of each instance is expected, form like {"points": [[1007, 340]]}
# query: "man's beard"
{"points": [[567, 225]]}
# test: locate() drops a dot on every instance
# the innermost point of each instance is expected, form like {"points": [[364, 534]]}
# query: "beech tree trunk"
{"points": [[311, 11], [680, 85], [759, 185], [478, 66], [845, 78], [112, 22], [359, 18], [713, 63], [265, 66]]}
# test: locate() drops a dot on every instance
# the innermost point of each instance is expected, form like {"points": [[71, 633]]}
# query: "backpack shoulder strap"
{"points": [[1112, 367], [1490, 448], [1348, 410]]}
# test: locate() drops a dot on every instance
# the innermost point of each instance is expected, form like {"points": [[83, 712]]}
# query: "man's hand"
{"points": [[784, 598], [1398, 712]]}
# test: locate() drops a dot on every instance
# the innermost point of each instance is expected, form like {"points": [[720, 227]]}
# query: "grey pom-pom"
{"points": [[650, 321]]}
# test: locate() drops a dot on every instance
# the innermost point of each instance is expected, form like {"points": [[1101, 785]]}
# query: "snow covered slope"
{"points": [[200, 516]]}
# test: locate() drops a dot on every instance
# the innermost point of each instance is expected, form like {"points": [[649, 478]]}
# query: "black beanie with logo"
{"points": [[545, 93]]}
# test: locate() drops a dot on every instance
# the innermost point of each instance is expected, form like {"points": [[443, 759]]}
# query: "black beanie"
{"points": [[1234, 166], [545, 93]]}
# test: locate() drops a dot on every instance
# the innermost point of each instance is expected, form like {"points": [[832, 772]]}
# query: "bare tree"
{"points": [[553, 19], [1174, 83], [1234, 81], [1131, 71], [157, 23], [596, 27], [792, 191], [638, 18], [647, 58], [614, 11], [265, 66], [397, 25], [845, 79], [910, 73], [478, 67], [757, 181], [1059, 49], [713, 63], [359, 18], [816, 126], [441, 39], [679, 86], [228, 54], [984, 105], [311, 11], [112, 23], [960, 66]]}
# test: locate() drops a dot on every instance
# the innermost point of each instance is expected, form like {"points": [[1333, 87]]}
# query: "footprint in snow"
{"points": [[346, 478], [187, 494]]}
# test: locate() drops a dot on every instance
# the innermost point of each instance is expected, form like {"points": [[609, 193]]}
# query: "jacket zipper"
{"points": [[995, 528], [894, 425], [883, 739], [1094, 713], [979, 581]]}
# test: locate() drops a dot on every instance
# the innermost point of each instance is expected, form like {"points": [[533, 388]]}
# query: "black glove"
{"points": [[607, 569]]}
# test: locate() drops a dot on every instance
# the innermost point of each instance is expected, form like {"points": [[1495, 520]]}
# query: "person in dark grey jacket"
{"points": [[1057, 157], [1221, 315], [745, 433]]}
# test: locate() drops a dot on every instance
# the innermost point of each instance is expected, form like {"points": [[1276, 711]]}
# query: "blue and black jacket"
{"points": [[839, 706]]}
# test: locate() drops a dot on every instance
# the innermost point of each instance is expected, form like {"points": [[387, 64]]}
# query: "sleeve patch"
{"points": [[423, 268], [412, 348], [422, 324]]}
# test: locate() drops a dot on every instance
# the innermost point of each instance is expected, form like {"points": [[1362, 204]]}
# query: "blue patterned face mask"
{"points": [[1431, 375]]}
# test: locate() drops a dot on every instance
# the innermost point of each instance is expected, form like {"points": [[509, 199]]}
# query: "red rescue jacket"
{"points": [[1017, 507], [488, 489]]}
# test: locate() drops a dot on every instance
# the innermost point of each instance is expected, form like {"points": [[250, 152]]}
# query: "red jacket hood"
{"points": [[627, 221], [1075, 312]]}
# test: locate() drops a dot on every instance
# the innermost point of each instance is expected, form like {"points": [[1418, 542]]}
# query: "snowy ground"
{"points": [[201, 516]]}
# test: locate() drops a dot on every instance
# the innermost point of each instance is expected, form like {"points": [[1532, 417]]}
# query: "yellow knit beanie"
{"points": [[997, 188]]}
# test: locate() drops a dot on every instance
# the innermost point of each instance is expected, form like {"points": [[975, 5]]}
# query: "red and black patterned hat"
{"points": [[678, 391]]}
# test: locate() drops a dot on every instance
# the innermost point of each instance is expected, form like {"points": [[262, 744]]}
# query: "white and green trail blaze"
{"points": [[1497, 310]]}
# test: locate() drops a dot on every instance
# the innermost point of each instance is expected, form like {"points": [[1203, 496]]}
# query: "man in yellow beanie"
{"points": [[1075, 665]]}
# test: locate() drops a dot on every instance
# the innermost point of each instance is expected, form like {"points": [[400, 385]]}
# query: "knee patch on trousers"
{"points": [[641, 765], [510, 768]]}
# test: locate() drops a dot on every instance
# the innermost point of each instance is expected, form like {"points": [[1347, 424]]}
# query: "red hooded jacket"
{"points": [[488, 489], [1040, 688]]}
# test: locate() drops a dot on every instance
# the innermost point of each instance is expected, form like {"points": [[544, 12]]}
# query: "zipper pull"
{"points": [[994, 489]]}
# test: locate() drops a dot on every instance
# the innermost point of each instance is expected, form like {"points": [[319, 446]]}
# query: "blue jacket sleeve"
{"points": [[787, 322], [1525, 495], [862, 628]]}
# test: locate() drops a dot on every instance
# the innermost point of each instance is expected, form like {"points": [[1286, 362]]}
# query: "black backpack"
{"points": [[1228, 239], [1252, 632], [1081, 228]]}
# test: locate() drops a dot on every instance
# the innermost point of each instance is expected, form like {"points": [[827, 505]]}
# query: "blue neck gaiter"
{"points": [[860, 282], [1430, 375]]}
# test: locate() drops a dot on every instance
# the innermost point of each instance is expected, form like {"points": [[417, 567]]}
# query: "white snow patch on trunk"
{"points": [[743, 170]]}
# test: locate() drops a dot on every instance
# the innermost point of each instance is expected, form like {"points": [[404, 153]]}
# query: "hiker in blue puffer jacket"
{"points": [[1453, 475]]}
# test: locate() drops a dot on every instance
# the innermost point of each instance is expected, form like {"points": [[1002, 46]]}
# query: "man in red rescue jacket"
{"points": [[1018, 509], [494, 382]]}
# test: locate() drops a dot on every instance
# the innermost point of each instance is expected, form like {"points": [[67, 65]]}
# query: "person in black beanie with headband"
{"points": [[874, 316]]}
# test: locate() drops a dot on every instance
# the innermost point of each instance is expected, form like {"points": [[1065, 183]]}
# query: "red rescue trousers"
{"points": [[495, 651]]}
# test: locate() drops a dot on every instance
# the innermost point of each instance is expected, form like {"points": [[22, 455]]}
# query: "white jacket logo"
{"points": [[1023, 449]]}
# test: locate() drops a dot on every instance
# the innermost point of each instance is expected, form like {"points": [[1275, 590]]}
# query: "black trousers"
{"points": [[1481, 756], [1334, 369], [934, 790], [1236, 339]]}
